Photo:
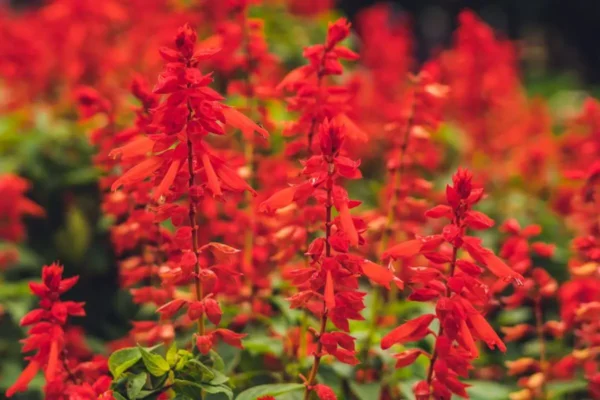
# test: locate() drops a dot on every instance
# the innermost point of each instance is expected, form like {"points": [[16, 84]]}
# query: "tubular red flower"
{"points": [[412, 330]]}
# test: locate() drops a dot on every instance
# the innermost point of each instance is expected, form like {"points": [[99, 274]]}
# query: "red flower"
{"points": [[46, 334]]}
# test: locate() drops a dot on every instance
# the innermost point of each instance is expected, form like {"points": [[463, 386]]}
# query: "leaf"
{"points": [[121, 360], [557, 390], [218, 362], [201, 371], [172, 354], [135, 384], [154, 363], [274, 389], [194, 390], [262, 344], [366, 391], [188, 389], [218, 389], [219, 378], [118, 396], [488, 390]]}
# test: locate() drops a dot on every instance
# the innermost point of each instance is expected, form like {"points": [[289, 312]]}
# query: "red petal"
{"points": [[415, 328], [32, 317], [353, 132], [329, 293], [439, 212], [169, 309], [278, 200], [294, 76], [347, 223], [500, 269], [377, 273], [52, 361], [168, 179], [135, 148], [230, 337], [23, 380], [213, 311], [407, 357], [211, 177], [485, 331], [232, 180], [478, 220], [403, 250], [138, 173], [238, 120]]}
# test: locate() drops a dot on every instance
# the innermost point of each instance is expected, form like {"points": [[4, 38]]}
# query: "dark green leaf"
{"points": [[200, 371], [218, 362], [135, 384]]}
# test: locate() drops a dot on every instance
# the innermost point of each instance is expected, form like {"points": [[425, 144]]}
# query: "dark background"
{"points": [[569, 31]]}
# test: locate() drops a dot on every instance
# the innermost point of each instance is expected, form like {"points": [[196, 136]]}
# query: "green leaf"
{"points": [[135, 384], [219, 378], [201, 371], [118, 396], [556, 390], [172, 355], [226, 390], [488, 390], [194, 390], [154, 363], [262, 344], [366, 391], [218, 362], [188, 389], [274, 389], [121, 360]]}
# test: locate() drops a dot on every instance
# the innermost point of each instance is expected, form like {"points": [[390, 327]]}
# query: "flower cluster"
{"points": [[13, 207], [314, 99], [48, 336], [538, 287], [184, 169], [460, 294], [328, 286]]}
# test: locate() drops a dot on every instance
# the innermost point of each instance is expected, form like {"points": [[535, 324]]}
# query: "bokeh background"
{"points": [[42, 140]]}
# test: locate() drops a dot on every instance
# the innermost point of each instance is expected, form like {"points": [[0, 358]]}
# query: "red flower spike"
{"points": [[47, 332]]}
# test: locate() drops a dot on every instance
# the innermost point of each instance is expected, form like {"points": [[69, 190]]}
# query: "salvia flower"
{"points": [[47, 329], [458, 291]]}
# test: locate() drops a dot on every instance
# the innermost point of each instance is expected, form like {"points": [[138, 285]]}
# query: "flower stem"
{"points": [[192, 217], [318, 353], [441, 329]]}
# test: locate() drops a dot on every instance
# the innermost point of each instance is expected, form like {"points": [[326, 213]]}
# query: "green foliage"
{"points": [[275, 390], [141, 373]]}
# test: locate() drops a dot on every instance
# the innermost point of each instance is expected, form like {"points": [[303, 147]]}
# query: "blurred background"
{"points": [[42, 139]]}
